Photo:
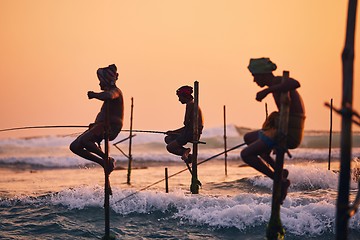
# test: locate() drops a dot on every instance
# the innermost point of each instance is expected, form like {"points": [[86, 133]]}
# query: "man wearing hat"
{"points": [[85, 145], [176, 139], [260, 143]]}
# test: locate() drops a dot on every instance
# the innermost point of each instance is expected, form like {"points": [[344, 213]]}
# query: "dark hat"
{"points": [[261, 65], [184, 90], [108, 74]]}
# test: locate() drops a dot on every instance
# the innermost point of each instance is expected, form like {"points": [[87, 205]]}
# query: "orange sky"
{"points": [[50, 51]]}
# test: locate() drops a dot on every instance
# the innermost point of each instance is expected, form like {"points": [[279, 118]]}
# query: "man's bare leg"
{"points": [[82, 152], [268, 159], [174, 148], [250, 156], [85, 147]]}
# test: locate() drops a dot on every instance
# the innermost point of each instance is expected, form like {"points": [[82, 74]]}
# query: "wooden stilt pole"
{"points": [[130, 143], [342, 206], [106, 173], [330, 133], [194, 187], [275, 230], [225, 140]]}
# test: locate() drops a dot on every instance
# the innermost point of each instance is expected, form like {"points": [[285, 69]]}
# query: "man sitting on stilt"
{"points": [[85, 145], [177, 139], [262, 142]]}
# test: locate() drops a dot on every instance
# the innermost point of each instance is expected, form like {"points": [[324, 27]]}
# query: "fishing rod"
{"points": [[144, 131], [82, 126], [183, 170], [72, 126], [47, 126]]}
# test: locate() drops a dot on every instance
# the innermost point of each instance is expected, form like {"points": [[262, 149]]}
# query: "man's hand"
{"points": [[91, 94], [262, 94]]}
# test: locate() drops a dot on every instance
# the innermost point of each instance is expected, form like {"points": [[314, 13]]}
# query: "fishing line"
{"points": [[185, 169]]}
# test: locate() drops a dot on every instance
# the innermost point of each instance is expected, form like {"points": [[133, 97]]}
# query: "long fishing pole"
{"points": [[47, 126], [144, 131], [161, 180], [81, 126], [72, 126]]}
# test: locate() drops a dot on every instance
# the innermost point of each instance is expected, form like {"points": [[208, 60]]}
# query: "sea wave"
{"points": [[53, 151], [308, 210], [73, 161], [243, 212]]}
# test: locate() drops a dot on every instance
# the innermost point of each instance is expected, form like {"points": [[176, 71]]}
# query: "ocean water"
{"points": [[48, 193]]}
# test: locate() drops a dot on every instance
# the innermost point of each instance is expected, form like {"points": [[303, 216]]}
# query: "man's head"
{"points": [[107, 76], [261, 65], [261, 69], [184, 94]]}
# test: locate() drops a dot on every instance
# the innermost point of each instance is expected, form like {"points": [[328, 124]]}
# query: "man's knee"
{"points": [[245, 155], [173, 147], [249, 137], [246, 139], [74, 146], [167, 139]]}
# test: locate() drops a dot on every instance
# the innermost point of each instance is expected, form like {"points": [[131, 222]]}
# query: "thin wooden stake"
{"points": [[194, 187], [130, 142], [330, 133], [275, 229], [166, 181], [225, 140], [266, 111]]}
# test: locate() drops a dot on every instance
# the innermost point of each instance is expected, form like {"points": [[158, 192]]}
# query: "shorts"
{"points": [[184, 137], [267, 140], [294, 136], [98, 130]]}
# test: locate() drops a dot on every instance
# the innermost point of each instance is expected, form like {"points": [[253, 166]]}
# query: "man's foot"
{"points": [[111, 165], [189, 159], [185, 155], [285, 173], [284, 189]]}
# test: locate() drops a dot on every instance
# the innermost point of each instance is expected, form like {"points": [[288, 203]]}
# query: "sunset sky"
{"points": [[50, 51]]}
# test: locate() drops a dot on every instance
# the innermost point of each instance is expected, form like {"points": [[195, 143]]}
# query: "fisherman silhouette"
{"points": [[85, 145], [177, 139]]}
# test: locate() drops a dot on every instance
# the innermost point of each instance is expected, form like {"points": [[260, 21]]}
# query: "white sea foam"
{"points": [[243, 211], [305, 178]]}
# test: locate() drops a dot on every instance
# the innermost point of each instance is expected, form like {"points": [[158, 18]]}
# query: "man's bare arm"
{"points": [[289, 85], [106, 95]]}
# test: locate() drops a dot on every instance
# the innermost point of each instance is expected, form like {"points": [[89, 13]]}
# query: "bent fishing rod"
{"points": [[161, 180], [72, 126], [84, 126]]}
